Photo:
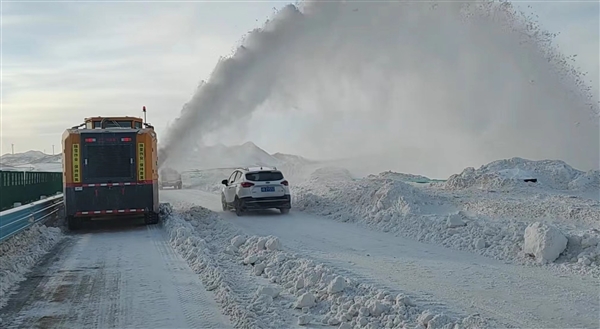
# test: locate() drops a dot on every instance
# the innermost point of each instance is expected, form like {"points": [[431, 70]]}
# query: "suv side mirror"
{"points": [[224, 182]]}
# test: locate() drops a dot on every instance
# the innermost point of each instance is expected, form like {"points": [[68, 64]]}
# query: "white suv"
{"points": [[255, 189]]}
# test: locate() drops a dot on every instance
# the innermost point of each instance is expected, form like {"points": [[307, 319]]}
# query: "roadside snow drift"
{"points": [[457, 215], [260, 285], [518, 172], [21, 252]]}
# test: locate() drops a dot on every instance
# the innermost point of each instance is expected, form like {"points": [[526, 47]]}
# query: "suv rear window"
{"points": [[263, 176]]}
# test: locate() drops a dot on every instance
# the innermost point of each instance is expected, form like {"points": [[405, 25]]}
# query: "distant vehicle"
{"points": [[169, 177], [109, 170], [256, 188]]}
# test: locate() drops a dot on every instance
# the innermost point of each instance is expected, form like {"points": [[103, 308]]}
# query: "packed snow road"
{"points": [[440, 279], [126, 277]]}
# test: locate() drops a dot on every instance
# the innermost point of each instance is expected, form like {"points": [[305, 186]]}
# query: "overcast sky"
{"points": [[66, 61]]}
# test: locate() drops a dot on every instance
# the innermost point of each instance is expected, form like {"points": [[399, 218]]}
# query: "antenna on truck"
{"points": [[146, 124]]}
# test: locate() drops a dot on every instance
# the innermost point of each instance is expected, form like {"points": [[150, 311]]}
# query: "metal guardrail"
{"points": [[15, 220]]}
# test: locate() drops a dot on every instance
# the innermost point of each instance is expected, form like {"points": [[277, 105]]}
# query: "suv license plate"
{"points": [[267, 189]]}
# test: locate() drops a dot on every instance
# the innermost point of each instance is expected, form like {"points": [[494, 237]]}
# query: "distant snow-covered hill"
{"points": [[22, 158], [31, 161], [222, 156], [290, 158]]}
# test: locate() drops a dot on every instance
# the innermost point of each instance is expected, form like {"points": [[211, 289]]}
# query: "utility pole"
{"points": [[52, 149], [13, 148]]}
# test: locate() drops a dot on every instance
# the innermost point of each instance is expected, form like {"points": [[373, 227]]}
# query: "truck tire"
{"points": [[73, 223], [151, 218]]}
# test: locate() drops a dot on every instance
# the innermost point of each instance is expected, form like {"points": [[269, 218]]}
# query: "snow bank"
{"points": [[205, 242], [583, 250], [331, 299], [20, 253], [278, 287], [382, 200], [403, 177], [512, 173], [531, 206], [490, 224], [397, 207], [327, 175]]}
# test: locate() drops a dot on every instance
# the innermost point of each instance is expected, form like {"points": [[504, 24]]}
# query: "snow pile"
{"points": [[204, 241], [21, 252], [490, 224], [403, 177], [330, 299], [544, 242], [588, 180], [281, 290], [327, 175], [375, 199], [511, 173], [564, 209], [583, 250]]}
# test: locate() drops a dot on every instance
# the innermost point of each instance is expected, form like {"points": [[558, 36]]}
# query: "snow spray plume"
{"points": [[420, 82], [232, 91]]}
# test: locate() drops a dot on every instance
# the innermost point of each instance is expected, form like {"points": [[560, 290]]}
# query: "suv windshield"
{"points": [[262, 176]]}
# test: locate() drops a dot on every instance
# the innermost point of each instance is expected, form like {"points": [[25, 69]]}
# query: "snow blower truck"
{"points": [[110, 170]]}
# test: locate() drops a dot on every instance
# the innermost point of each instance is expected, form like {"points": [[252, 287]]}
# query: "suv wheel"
{"points": [[238, 207], [224, 203], [285, 210]]}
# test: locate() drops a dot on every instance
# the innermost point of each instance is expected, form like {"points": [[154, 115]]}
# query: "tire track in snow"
{"points": [[117, 278], [195, 305]]}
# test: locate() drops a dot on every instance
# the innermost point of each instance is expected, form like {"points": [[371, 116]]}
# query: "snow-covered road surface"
{"points": [[120, 278], [439, 279]]}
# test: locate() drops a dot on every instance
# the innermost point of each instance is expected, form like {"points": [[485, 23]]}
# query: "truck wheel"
{"points": [[73, 223], [285, 210], [151, 218]]}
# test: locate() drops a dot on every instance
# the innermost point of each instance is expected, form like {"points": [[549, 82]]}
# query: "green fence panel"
{"points": [[25, 187]]}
